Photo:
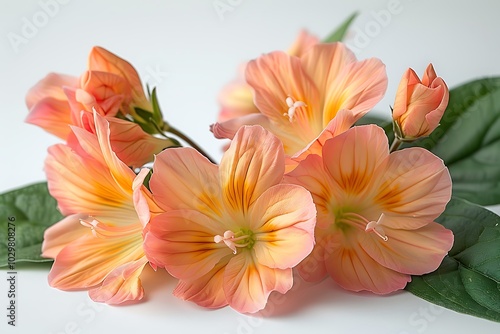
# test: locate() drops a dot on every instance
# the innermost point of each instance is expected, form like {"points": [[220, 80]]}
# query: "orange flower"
{"points": [[236, 98], [231, 233], [112, 87], [298, 97], [375, 223], [419, 105], [135, 102], [98, 246]]}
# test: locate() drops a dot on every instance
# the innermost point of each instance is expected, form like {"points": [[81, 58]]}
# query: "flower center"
{"points": [[351, 218], [292, 105], [240, 239]]}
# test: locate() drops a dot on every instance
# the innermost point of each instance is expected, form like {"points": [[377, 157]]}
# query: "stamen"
{"points": [[375, 227], [292, 105], [230, 240], [93, 226], [101, 230]]}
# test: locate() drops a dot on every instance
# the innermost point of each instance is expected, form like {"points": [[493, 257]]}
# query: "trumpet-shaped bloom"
{"points": [[111, 87], [230, 233], [236, 98], [98, 246], [376, 211], [419, 105], [298, 97]]}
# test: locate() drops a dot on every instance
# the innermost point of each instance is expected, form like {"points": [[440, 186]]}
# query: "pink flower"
{"points": [[112, 87], [98, 246], [298, 97], [419, 105], [231, 233], [376, 211], [236, 98]]}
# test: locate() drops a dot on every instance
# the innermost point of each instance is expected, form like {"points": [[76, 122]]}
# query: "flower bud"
{"points": [[419, 105]]}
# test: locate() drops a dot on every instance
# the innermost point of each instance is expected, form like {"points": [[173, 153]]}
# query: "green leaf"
{"points": [[157, 115], [483, 290], [34, 210], [468, 279], [468, 140], [338, 34]]}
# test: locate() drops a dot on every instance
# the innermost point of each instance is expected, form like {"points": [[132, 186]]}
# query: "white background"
{"points": [[189, 52]]}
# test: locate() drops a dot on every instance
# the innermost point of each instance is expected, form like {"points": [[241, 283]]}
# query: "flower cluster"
{"points": [[300, 185]]}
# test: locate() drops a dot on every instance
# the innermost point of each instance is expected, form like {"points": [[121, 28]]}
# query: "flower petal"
{"points": [[102, 60], [84, 185], [50, 87], [132, 145], [283, 220], [104, 87], [325, 61], [342, 122], [358, 88], [121, 285], [182, 241], [229, 128], [253, 163], [413, 188], [52, 115], [313, 268], [184, 179], [413, 252], [86, 261], [143, 200], [247, 283], [350, 162], [236, 100], [311, 174], [302, 43], [207, 290], [57, 236], [354, 269], [275, 77]]}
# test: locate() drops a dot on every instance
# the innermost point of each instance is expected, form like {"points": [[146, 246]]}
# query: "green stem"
{"points": [[396, 143], [172, 130]]}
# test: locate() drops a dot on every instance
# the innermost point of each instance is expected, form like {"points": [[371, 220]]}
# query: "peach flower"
{"points": [[231, 233], [98, 246], [236, 98], [298, 97], [376, 211], [419, 105], [112, 87]]}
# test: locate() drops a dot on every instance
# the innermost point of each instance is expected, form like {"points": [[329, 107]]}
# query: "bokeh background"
{"points": [[189, 50]]}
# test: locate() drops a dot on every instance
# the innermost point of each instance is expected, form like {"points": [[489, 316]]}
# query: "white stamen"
{"points": [[375, 227], [228, 240], [292, 105]]}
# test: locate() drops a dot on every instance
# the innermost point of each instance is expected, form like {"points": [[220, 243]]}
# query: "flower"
{"points": [[98, 246], [236, 98], [135, 102], [298, 97], [376, 211], [111, 87], [230, 233], [419, 105]]}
